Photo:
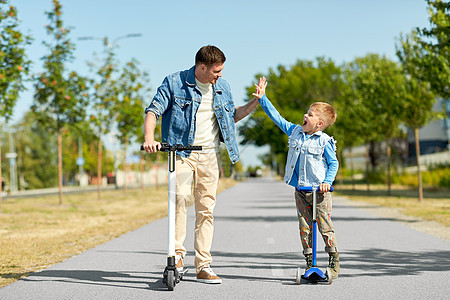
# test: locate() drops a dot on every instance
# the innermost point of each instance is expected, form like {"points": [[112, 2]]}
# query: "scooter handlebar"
{"points": [[309, 189], [166, 147]]}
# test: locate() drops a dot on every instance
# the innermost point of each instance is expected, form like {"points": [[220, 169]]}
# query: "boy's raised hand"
{"points": [[260, 88]]}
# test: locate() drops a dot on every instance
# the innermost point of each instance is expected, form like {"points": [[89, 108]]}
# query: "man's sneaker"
{"points": [[179, 262], [308, 258], [206, 275], [333, 264]]}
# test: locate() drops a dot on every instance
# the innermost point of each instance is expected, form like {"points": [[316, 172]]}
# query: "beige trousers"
{"points": [[197, 174]]}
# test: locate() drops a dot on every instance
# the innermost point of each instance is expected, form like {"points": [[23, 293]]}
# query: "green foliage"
{"points": [[105, 93], [434, 42], [226, 162], [227, 167], [61, 96], [37, 163], [89, 145], [419, 99], [434, 178], [36, 149], [377, 86], [128, 111], [253, 171], [377, 176], [14, 65], [438, 178], [444, 180]]}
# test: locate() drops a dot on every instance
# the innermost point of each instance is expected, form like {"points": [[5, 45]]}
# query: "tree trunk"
{"points": [[388, 154], [352, 168], [419, 171], [367, 168], [99, 168], [340, 177], [1, 177], [60, 181], [125, 166], [142, 171]]}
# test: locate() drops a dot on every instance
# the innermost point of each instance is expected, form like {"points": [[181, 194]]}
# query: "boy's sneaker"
{"points": [[308, 258], [333, 264], [206, 275], [179, 262]]}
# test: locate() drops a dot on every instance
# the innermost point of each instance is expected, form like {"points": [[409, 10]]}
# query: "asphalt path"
{"points": [[256, 252]]}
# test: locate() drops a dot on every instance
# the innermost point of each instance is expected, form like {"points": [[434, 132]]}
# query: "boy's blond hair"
{"points": [[326, 113]]}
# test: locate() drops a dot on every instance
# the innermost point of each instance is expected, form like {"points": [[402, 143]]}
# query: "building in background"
{"points": [[435, 136]]}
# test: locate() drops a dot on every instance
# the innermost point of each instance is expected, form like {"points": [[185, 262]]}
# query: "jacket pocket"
{"points": [[182, 103], [180, 115], [315, 150], [229, 106]]}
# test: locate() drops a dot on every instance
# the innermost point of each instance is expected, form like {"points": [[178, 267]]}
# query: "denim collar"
{"points": [[190, 80]]}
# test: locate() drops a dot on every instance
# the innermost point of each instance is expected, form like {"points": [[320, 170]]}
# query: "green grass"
{"points": [[434, 207]]}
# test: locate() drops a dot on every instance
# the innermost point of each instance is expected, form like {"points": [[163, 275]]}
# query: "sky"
{"points": [[254, 35]]}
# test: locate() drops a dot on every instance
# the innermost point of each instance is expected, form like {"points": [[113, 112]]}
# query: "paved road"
{"points": [[256, 251]]}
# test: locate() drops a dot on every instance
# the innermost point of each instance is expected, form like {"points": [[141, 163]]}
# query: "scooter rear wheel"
{"points": [[329, 276]]}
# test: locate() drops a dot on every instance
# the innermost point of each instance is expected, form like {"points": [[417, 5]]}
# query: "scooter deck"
{"points": [[182, 273], [314, 276]]}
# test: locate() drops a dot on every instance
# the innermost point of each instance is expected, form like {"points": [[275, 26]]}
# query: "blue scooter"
{"points": [[314, 275]]}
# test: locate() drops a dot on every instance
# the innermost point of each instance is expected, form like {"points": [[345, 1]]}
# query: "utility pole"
{"points": [[80, 160], [12, 155]]}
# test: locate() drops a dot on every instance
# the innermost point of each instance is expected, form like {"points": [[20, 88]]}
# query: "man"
{"points": [[197, 109]]}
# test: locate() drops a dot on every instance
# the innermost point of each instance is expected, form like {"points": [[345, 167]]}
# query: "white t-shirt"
{"points": [[207, 128]]}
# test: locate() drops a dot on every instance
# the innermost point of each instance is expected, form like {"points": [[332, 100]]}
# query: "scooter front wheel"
{"points": [[298, 277], [170, 282]]}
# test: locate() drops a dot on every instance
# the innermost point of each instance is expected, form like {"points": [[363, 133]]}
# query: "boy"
{"points": [[311, 161]]}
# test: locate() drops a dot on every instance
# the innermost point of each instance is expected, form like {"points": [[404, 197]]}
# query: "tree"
{"points": [[426, 58], [60, 97], [134, 88], [434, 42], [90, 152], [37, 163], [106, 93], [347, 104], [14, 65], [377, 85], [419, 98]]}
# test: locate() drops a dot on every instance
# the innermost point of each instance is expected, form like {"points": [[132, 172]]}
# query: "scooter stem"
{"points": [[171, 203], [314, 237]]}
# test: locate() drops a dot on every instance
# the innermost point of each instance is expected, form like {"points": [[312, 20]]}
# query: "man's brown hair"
{"points": [[326, 113], [209, 55]]}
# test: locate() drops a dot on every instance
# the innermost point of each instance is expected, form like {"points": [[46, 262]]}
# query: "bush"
{"points": [[378, 176], [439, 177]]}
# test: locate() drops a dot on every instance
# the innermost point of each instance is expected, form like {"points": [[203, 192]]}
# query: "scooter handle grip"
{"points": [[309, 189], [166, 147]]}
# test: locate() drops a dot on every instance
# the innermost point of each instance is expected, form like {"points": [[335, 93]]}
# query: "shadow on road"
{"points": [[126, 279], [270, 219], [250, 266], [382, 262]]}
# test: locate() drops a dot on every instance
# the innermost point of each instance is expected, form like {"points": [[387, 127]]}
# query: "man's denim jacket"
{"points": [[177, 101], [311, 160]]}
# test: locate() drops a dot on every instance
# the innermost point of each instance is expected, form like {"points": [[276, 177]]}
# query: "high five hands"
{"points": [[260, 88]]}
